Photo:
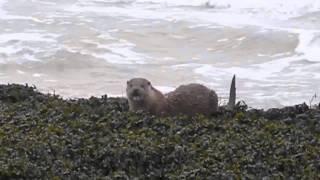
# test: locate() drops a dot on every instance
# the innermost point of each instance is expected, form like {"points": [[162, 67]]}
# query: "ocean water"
{"points": [[82, 48]]}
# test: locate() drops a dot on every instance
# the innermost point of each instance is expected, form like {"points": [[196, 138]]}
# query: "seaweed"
{"points": [[44, 136]]}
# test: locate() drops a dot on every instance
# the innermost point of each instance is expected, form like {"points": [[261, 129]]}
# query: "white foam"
{"points": [[223, 40], [211, 49], [188, 65], [121, 53], [116, 95], [263, 71], [309, 45], [281, 54], [2, 12], [37, 75], [20, 72], [51, 80], [27, 46], [195, 16], [136, 12], [26, 37], [167, 58], [283, 8], [241, 38], [262, 55], [9, 50], [29, 57], [277, 55], [5, 16], [236, 13]]}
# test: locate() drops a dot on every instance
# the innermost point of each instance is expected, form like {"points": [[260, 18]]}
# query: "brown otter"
{"points": [[195, 99], [143, 96], [188, 99], [192, 99]]}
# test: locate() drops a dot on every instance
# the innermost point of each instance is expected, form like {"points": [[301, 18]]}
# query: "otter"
{"points": [[188, 99], [195, 99], [192, 99], [143, 96]]}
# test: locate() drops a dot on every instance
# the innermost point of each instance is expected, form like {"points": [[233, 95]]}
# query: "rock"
{"points": [[302, 117], [317, 117], [255, 112], [301, 108], [273, 113], [288, 120], [241, 106], [46, 137]]}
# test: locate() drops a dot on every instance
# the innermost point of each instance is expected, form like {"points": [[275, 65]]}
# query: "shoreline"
{"points": [[223, 97]]}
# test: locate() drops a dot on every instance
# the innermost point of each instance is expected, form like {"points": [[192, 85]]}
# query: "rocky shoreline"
{"points": [[46, 137]]}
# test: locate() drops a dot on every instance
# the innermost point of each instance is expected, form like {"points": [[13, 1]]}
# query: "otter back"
{"points": [[192, 99]]}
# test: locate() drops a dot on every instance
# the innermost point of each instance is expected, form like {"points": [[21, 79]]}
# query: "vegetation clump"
{"points": [[47, 137]]}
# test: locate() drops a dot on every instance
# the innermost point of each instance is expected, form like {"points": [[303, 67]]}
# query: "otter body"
{"points": [[192, 99], [188, 99]]}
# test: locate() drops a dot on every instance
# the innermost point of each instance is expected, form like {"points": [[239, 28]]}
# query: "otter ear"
{"points": [[127, 82]]}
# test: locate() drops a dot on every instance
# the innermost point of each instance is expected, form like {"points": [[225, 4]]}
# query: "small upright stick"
{"points": [[232, 95]]}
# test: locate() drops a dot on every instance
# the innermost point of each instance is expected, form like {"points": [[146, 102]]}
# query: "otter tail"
{"points": [[232, 96]]}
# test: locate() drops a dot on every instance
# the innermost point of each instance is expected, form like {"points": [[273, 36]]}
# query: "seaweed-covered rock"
{"points": [[47, 137], [289, 111]]}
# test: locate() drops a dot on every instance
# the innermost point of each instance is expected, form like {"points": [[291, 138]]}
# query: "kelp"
{"points": [[44, 136]]}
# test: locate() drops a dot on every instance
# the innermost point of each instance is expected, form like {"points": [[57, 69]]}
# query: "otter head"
{"points": [[138, 90]]}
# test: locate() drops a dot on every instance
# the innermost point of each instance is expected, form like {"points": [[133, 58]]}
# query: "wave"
{"points": [[282, 8], [309, 44]]}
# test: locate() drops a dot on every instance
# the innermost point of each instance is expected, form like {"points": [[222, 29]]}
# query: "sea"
{"points": [[83, 48]]}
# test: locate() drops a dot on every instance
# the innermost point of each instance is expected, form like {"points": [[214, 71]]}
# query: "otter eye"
{"points": [[149, 83]]}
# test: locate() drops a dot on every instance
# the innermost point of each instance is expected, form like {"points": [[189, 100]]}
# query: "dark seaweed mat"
{"points": [[46, 137]]}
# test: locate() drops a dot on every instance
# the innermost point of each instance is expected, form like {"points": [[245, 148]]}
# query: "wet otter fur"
{"points": [[188, 99], [192, 99]]}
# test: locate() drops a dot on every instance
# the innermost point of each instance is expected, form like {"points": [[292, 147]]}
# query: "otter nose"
{"points": [[135, 92]]}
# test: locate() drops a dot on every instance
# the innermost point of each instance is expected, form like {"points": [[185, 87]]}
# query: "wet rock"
{"points": [[289, 120], [301, 108], [255, 113], [45, 137], [317, 128], [317, 117], [273, 113], [302, 117], [241, 106]]}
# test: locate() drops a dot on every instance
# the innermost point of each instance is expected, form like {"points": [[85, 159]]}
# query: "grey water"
{"points": [[82, 48]]}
